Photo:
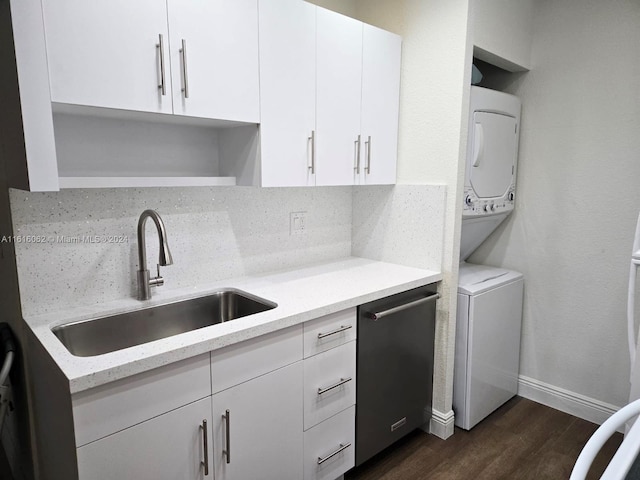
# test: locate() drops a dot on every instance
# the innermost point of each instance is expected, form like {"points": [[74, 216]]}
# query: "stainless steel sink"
{"points": [[107, 334]]}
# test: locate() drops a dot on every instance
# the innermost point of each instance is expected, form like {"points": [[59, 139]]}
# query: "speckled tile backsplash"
{"points": [[79, 247], [402, 224]]}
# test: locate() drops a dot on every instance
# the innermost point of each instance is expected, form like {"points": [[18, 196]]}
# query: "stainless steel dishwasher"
{"points": [[394, 368]]}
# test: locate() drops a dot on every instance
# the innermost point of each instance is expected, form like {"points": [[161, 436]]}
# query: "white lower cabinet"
{"points": [[253, 410], [169, 446], [329, 447], [329, 395], [258, 427]]}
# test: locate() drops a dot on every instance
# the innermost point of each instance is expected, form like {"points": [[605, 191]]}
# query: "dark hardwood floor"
{"points": [[521, 440]]}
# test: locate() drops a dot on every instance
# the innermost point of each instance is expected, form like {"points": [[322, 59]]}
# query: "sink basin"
{"points": [[87, 338]]}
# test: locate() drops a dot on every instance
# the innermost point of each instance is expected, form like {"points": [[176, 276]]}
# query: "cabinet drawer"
{"points": [[110, 408], [335, 435], [329, 383], [327, 332], [238, 363]]}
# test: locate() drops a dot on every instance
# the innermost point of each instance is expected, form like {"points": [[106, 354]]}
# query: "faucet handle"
{"points": [[157, 281]]}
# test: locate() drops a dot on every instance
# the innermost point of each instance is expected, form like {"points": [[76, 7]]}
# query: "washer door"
{"points": [[493, 159]]}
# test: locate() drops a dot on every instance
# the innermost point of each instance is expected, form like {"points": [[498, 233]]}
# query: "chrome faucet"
{"points": [[144, 282]]}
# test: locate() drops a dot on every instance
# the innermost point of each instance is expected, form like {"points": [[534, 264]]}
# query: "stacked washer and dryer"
{"points": [[489, 315]]}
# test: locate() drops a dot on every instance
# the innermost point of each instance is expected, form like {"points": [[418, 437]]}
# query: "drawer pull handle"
{"points": [[335, 385], [205, 442], [227, 452], [341, 329], [391, 311], [342, 448]]}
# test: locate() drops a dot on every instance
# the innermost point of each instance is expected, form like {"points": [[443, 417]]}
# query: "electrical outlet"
{"points": [[298, 223]]}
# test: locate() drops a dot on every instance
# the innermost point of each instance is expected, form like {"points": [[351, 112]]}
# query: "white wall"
{"points": [[502, 32], [213, 233], [578, 195], [436, 71]]}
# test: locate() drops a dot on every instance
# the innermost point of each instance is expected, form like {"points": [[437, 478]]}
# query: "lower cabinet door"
{"points": [[170, 446], [258, 428]]}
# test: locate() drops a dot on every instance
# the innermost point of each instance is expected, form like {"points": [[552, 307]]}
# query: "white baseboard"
{"points": [[566, 401], [441, 424]]}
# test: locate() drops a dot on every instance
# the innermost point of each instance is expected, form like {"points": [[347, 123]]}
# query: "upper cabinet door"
{"points": [[109, 53], [214, 58], [380, 105], [339, 92], [287, 92]]}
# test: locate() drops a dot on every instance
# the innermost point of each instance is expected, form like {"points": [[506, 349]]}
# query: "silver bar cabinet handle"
{"points": [[415, 303], [312, 167], [185, 77], [163, 83], [341, 329], [335, 385], [205, 436], [368, 144], [342, 448], [357, 167], [227, 452]]}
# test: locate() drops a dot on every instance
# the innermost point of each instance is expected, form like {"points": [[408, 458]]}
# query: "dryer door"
{"points": [[492, 164]]}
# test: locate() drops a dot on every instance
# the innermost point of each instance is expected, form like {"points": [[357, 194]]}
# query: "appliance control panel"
{"points": [[475, 206]]}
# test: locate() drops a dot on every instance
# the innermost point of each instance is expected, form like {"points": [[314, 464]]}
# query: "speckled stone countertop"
{"points": [[301, 294]]}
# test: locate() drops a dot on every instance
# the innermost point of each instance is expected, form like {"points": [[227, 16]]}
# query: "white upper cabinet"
{"points": [[323, 87], [214, 58], [381, 56], [338, 98], [329, 96], [189, 57], [287, 92], [109, 53]]}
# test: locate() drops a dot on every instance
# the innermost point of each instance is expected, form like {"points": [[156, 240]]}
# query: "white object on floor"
{"points": [[631, 329], [487, 355], [626, 454]]}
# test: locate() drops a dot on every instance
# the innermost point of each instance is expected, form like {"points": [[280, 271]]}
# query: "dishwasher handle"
{"points": [[400, 308]]}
